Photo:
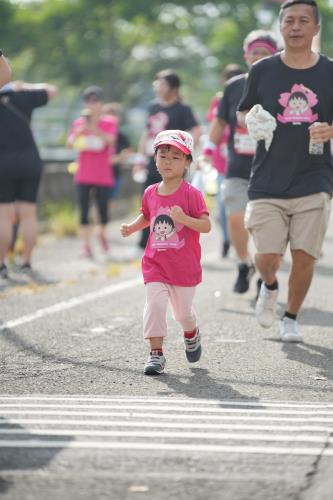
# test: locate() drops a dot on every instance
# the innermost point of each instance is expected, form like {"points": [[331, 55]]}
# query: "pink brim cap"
{"points": [[176, 144]]}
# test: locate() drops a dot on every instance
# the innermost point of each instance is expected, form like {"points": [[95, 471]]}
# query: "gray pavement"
{"points": [[78, 419]]}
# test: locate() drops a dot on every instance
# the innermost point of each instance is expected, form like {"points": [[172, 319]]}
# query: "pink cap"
{"points": [[178, 138]]}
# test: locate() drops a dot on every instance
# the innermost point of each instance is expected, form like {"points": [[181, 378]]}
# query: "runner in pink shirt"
{"points": [[176, 213], [93, 136]]}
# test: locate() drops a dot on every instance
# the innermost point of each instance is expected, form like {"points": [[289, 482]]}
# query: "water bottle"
{"points": [[316, 148]]}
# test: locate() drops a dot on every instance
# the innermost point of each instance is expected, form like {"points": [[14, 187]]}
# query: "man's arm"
{"points": [[5, 71], [51, 90], [216, 130]]}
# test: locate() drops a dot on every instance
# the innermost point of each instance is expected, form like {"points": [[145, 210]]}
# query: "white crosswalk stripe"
{"points": [[132, 423]]}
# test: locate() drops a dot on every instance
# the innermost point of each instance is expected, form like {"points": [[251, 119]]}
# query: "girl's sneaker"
{"points": [[193, 347], [155, 364]]}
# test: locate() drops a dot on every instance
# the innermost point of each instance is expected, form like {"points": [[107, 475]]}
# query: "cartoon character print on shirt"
{"points": [[298, 105], [164, 231], [156, 124]]}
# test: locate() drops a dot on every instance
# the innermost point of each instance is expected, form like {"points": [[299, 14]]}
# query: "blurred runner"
{"points": [[93, 136], [20, 167], [219, 153], [241, 148]]}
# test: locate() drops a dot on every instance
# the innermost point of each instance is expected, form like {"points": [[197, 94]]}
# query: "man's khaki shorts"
{"points": [[273, 222]]}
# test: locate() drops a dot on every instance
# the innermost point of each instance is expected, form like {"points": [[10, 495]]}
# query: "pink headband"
{"points": [[264, 44]]}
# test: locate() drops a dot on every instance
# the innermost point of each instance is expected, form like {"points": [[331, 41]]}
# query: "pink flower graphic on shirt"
{"points": [[164, 231], [158, 123], [298, 105]]}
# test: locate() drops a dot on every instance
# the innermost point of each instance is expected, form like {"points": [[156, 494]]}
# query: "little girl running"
{"points": [[176, 213]]}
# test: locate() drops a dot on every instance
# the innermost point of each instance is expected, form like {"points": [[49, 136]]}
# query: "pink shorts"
{"points": [[155, 310]]}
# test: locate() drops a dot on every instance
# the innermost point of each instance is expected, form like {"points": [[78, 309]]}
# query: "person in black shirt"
{"points": [[241, 148], [166, 112], [291, 184], [20, 166]]}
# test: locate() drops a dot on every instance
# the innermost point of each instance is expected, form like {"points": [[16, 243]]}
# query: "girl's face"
{"points": [[171, 162]]}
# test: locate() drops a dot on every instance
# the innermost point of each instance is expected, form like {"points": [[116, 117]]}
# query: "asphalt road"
{"points": [[79, 420]]}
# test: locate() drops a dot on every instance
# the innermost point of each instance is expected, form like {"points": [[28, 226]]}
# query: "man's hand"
{"points": [[320, 132]]}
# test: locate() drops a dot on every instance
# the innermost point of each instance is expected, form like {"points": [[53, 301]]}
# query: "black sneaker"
{"points": [[225, 249], [245, 273], [3, 272], [26, 269]]}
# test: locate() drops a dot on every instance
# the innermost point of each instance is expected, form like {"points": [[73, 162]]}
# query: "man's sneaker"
{"points": [[193, 347], [289, 330], [245, 273], [3, 272], [155, 364], [266, 306]]}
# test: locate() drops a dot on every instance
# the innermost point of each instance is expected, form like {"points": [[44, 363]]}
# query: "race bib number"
{"points": [[243, 143]]}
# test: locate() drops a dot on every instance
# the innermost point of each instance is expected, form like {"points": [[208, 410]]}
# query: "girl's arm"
{"points": [[139, 223], [202, 224]]}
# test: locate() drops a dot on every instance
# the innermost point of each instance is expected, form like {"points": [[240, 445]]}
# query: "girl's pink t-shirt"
{"points": [[94, 166], [173, 251]]}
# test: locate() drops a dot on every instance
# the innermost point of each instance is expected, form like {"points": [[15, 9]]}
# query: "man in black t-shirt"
{"points": [[167, 112], [291, 186], [20, 166], [241, 148]]}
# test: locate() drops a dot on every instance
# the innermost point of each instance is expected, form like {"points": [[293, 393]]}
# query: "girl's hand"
{"points": [[125, 230], [177, 214]]}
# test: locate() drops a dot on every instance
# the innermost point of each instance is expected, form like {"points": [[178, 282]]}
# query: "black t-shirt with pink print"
{"points": [[177, 116], [296, 98]]}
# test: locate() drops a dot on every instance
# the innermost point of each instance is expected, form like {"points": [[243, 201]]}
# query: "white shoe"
{"points": [[289, 330], [266, 306]]}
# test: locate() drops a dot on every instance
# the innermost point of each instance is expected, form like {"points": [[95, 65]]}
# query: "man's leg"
{"points": [[238, 235], [268, 265], [28, 228], [299, 279], [6, 217]]}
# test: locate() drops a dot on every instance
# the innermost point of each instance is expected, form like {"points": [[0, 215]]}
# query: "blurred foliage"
{"points": [[60, 218], [121, 44]]}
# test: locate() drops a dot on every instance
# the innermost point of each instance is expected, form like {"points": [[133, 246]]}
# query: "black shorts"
{"points": [[19, 189]]}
